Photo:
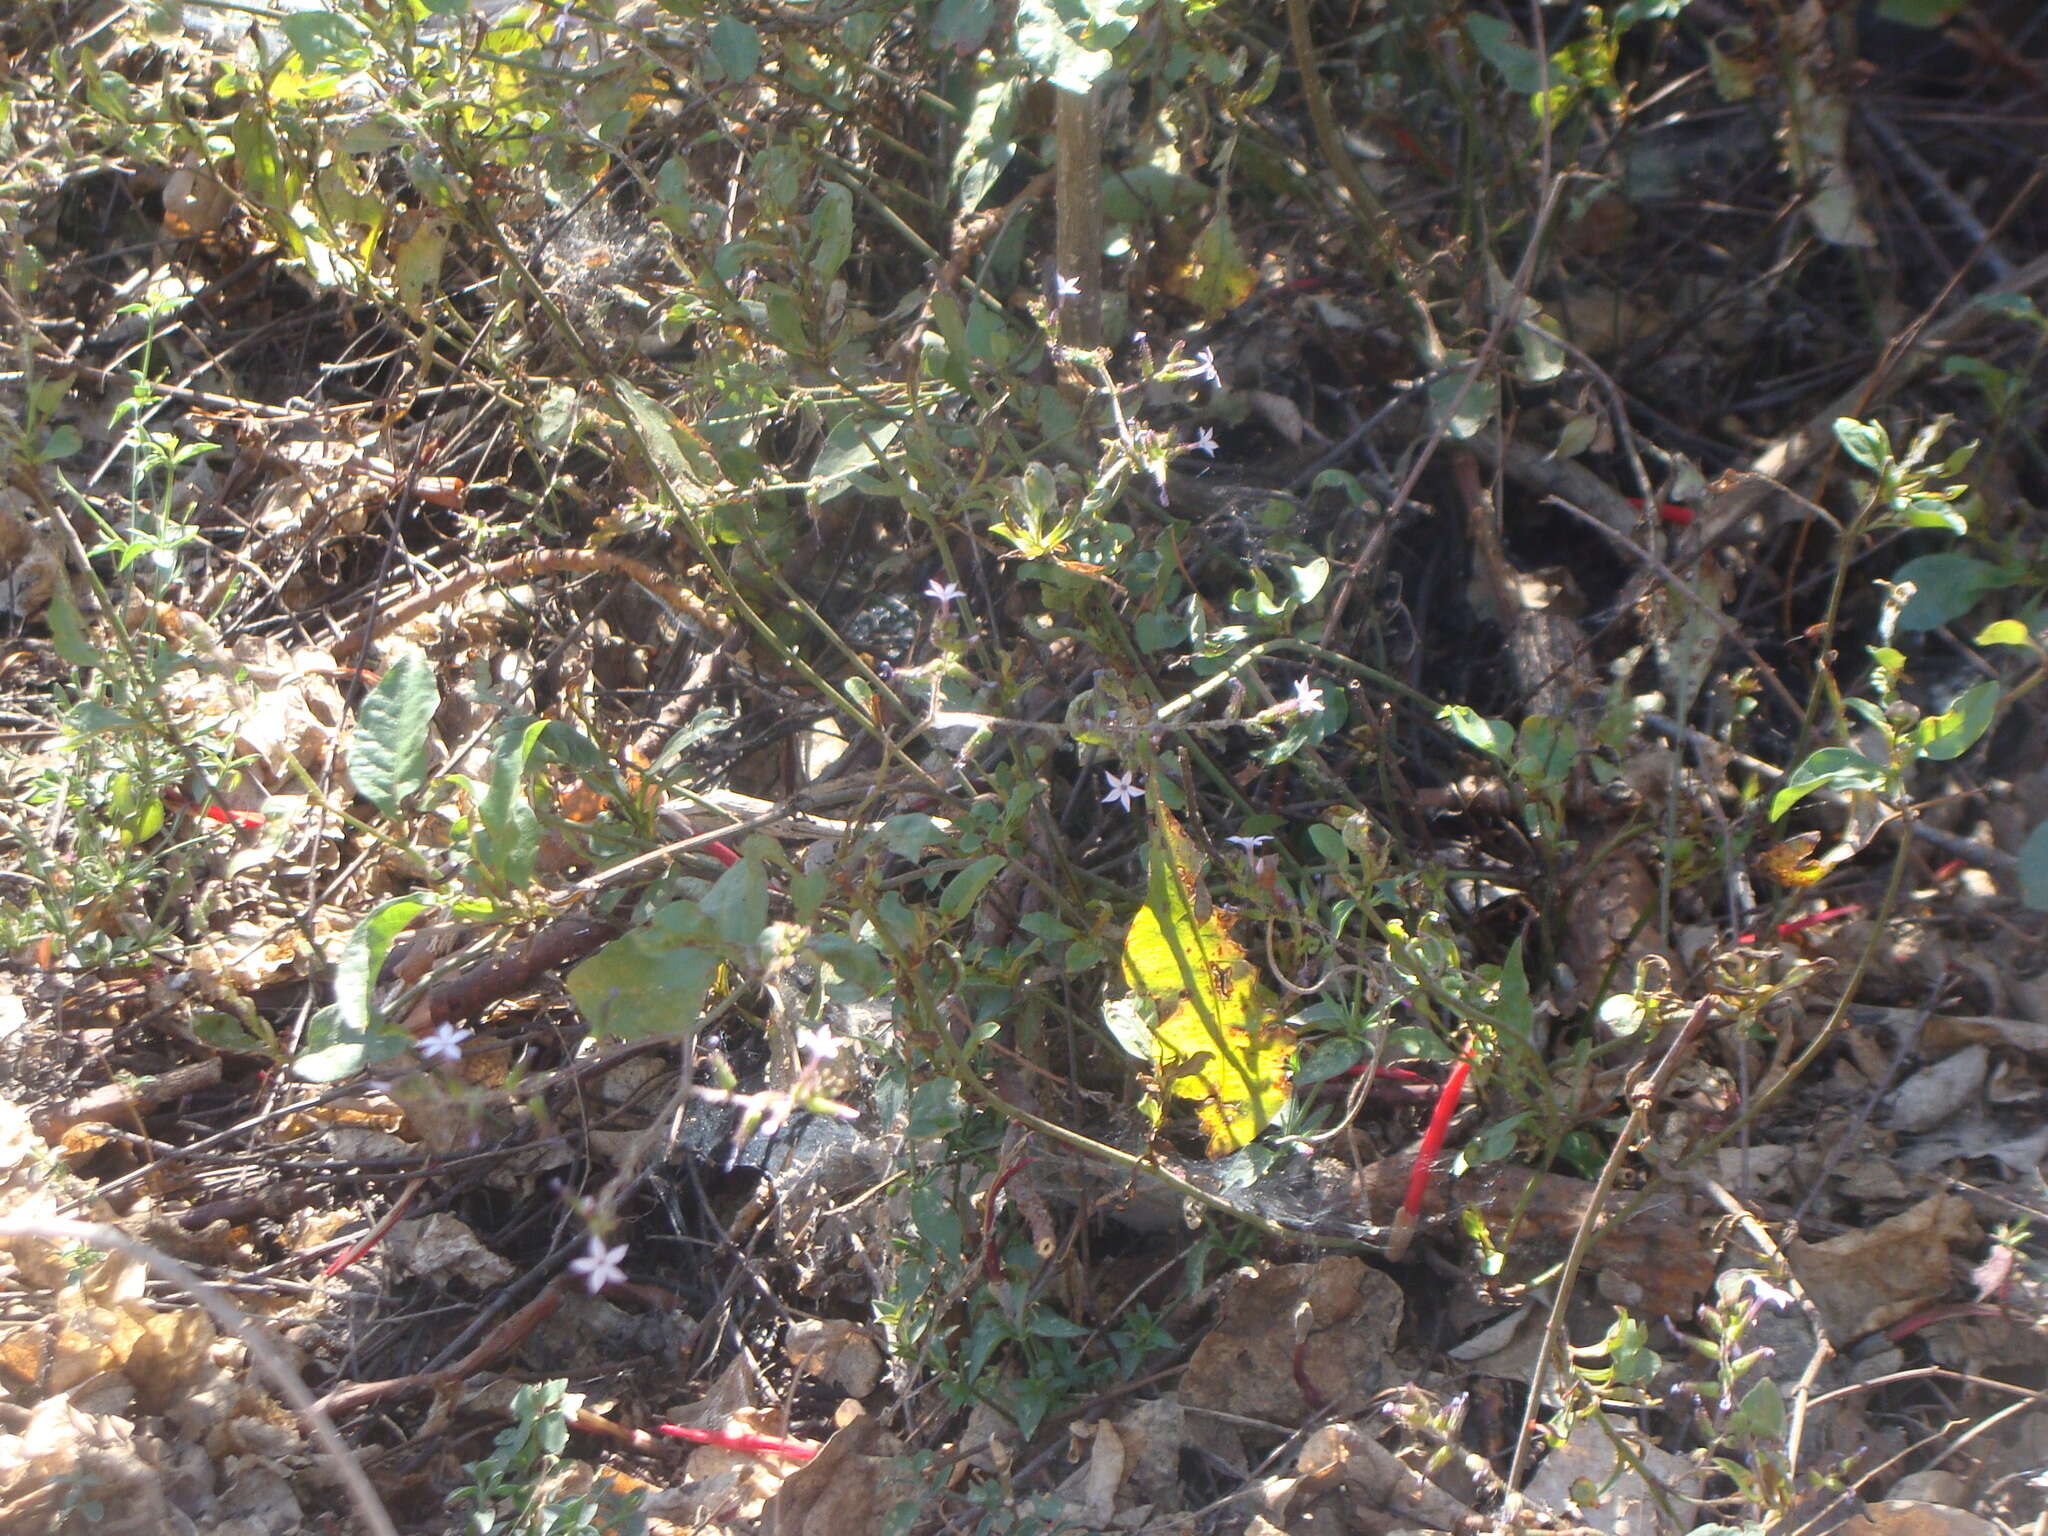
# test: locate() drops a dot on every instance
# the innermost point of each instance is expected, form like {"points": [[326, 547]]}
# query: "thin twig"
{"points": [[1641, 1101]]}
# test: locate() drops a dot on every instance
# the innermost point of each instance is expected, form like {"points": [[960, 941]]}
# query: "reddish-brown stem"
{"points": [[375, 1235], [1812, 920], [991, 1260], [746, 1444]]}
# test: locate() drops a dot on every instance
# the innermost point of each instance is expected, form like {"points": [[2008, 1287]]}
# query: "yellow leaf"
{"points": [[1791, 863], [1219, 1042], [1215, 278]]}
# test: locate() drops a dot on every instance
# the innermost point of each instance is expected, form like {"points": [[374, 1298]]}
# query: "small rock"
{"points": [[1618, 1504], [1931, 1095], [1933, 1486], [1911, 1517]]}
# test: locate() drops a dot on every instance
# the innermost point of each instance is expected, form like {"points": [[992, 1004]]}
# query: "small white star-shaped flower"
{"points": [[601, 1266], [1123, 788], [1250, 844], [1204, 443], [942, 592], [445, 1043], [1064, 287], [1207, 358], [1307, 696], [818, 1044]]}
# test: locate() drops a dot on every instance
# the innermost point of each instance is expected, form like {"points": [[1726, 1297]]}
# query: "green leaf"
{"points": [[849, 450], [737, 904], [1834, 768], [507, 834], [350, 1034], [1866, 442], [1463, 412], [652, 981], [988, 142], [1954, 731], [2016, 306], [1056, 40], [1215, 278], [1502, 47], [963, 25], [1759, 1416], [2034, 869], [908, 835], [320, 35], [1496, 738], [67, 630], [2006, 632], [737, 47], [388, 755], [682, 460], [831, 231], [1946, 587], [965, 888]]}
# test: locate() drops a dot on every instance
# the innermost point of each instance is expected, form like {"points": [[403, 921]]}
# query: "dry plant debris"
{"points": [[1116, 765]]}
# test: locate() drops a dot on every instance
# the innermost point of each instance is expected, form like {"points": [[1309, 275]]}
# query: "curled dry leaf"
{"points": [[195, 201], [1349, 1481], [1934, 1093], [1869, 1279], [441, 1247], [1297, 1340], [837, 1352], [849, 1488], [60, 1447], [31, 560]]}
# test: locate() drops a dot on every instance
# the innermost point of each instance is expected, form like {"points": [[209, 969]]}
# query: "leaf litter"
{"points": [[437, 994]]}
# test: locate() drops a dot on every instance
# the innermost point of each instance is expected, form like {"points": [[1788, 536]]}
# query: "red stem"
{"points": [[1433, 1139], [750, 1445], [375, 1235], [1811, 920]]}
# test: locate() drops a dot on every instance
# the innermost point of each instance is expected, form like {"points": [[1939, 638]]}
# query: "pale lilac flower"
{"points": [[1204, 443], [1767, 1294], [1250, 844], [818, 1044], [942, 592], [445, 1043], [1064, 287], [1207, 358], [601, 1266], [1123, 788], [1307, 696]]}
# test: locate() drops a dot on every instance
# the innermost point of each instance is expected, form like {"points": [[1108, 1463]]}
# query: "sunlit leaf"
{"points": [[1792, 864], [388, 754], [1954, 731], [1219, 1042], [1835, 768]]}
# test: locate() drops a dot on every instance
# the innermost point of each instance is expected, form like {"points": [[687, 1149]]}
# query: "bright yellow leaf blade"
{"points": [[1219, 1041]]}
